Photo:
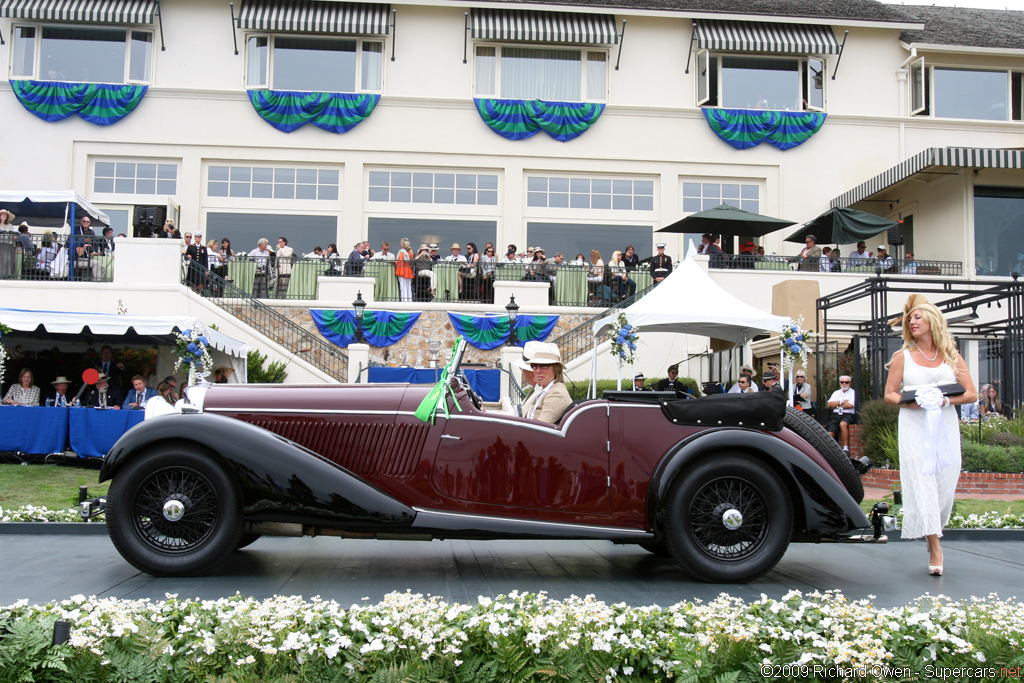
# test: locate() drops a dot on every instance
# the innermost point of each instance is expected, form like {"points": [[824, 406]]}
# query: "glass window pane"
{"points": [[691, 205], [440, 231], [558, 184], [558, 200], [751, 205], [262, 175], [622, 187], [536, 184], [124, 170], [730, 191], [167, 172], [465, 196], [423, 180], [378, 194], [643, 187], [241, 173], [761, 83], [145, 171], [536, 199], [167, 187], [444, 196], [401, 179], [240, 189], [217, 189], [145, 186], [258, 54], [373, 65], [327, 193], [601, 201], [83, 55], [306, 175], [422, 195], [139, 68], [487, 198], [401, 194], [329, 176], [103, 185], [284, 191], [710, 203], [601, 185], [597, 76], [749, 191], [579, 201], [262, 190], [691, 189], [444, 180], [379, 179], [540, 73], [465, 181], [621, 203], [243, 229], [305, 191], [124, 186], [484, 67], [969, 94], [711, 190], [218, 173], [487, 182], [308, 63], [284, 175], [997, 245], [575, 238], [104, 169], [731, 202], [579, 185], [643, 203], [24, 52], [816, 82]]}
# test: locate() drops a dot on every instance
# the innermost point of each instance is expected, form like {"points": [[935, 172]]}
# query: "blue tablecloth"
{"points": [[92, 432], [485, 383], [36, 431]]}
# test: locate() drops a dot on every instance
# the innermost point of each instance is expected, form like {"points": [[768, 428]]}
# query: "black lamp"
{"points": [[512, 310], [359, 306]]}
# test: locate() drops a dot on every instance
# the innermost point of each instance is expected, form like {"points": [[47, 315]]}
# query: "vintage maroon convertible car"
{"points": [[721, 484]]}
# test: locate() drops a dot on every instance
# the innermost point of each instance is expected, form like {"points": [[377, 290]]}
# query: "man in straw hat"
{"points": [[59, 398], [749, 372], [102, 395], [550, 398]]}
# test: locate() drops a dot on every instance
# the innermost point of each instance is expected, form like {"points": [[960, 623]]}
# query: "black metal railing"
{"points": [[242, 305], [845, 264], [516, 395], [36, 257], [580, 339]]}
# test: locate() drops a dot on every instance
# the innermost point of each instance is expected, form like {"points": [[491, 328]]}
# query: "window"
{"points": [[316, 64], [541, 73], [965, 93], [77, 54], [580, 238], [427, 187], [442, 232], [132, 177], [245, 229], [618, 194], [262, 182], [760, 82], [699, 196], [998, 239]]}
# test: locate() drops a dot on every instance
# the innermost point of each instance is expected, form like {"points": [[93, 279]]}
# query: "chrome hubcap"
{"points": [[173, 510], [732, 519]]}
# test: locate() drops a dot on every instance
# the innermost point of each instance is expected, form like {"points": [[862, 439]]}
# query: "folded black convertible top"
{"points": [[762, 410]]}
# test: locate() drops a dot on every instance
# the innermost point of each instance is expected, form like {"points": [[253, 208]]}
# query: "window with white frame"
{"points": [[563, 74], [700, 195], [135, 178], [314, 63], [616, 194], [433, 187], [965, 93], [740, 81], [82, 54], [272, 182]]}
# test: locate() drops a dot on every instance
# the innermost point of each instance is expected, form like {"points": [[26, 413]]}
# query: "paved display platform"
{"points": [[46, 567]]}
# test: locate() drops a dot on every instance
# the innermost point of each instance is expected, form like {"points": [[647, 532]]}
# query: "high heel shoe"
{"points": [[935, 569]]}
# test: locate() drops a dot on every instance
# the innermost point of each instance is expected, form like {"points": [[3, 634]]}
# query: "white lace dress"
{"points": [[927, 498]]}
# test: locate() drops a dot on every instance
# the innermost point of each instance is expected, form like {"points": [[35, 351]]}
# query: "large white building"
{"points": [[572, 125]]}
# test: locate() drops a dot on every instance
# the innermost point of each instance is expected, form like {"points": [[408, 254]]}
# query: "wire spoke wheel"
{"points": [[198, 501], [708, 515]]}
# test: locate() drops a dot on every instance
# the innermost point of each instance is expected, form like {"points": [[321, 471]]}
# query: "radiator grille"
{"points": [[362, 447]]}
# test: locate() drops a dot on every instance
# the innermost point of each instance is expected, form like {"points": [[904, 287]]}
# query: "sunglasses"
{"points": [[537, 366], [843, 382]]}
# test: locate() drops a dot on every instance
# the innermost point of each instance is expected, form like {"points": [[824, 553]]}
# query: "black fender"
{"points": [[280, 480], [821, 504]]}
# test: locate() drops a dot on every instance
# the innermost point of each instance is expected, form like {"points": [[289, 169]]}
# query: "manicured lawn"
{"points": [[969, 506], [53, 486]]}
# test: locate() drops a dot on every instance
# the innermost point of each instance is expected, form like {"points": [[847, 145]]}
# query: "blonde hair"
{"points": [[595, 256], [941, 337], [616, 256]]}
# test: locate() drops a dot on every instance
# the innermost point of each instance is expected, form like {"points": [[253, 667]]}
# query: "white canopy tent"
{"points": [[108, 327], [689, 302], [50, 208]]}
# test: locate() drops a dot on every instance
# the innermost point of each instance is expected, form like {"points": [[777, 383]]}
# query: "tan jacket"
{"points": [[551, 405]]}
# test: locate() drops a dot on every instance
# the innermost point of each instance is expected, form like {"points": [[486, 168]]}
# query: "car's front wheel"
{"points": [[174, 511], [729, 519]]}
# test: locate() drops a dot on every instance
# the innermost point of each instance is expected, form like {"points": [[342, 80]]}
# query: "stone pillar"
{"points": [[358, 360], [509, 354]]}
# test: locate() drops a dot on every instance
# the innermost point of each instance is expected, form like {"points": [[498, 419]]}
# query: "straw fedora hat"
{"points": [[61, 380], [546, 353]]}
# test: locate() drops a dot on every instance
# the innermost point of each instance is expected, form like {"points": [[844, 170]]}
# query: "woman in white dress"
{"points": [[929, 432]]}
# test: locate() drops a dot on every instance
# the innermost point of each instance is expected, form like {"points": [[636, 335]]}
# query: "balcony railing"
{"points": [[845, 264], [35, 257]]}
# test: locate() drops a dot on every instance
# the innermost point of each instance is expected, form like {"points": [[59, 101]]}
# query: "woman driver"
{"points": [[550, 398]]}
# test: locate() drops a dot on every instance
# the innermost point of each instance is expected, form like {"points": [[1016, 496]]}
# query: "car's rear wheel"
{"points": [[808, 429], [729, 519], [174, 511]]}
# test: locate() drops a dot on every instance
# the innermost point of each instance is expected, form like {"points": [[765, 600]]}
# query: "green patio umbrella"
{"points": [[842, 226], [728, 221]]}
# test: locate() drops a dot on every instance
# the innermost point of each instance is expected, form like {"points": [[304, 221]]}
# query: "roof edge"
{"points": [[962, 49]]}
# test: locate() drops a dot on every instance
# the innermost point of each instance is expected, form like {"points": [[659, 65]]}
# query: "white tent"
{"points": [[689, 302], [224, 349], [50, 207]]}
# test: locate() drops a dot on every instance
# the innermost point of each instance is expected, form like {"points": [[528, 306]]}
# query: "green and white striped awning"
{"points": [[85, 11], [310, 16], [755, 36], [544, 27], [950, 157]]}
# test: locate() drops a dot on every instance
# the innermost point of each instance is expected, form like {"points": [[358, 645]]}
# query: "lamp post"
{"points": [[512, 310], [359, 306]]}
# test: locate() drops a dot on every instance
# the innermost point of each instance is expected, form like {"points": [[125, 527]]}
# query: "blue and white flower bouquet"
{"points": [[624, 340], [795, 343], [192, 351]]}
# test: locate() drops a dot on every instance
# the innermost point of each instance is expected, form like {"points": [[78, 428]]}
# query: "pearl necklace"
{"points": [[932, 359]]}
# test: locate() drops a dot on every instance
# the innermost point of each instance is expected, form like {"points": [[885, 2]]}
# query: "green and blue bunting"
{"points": [[490, 331], [745, 128], [520, 119], [380, 328], [100, 103], [334, 112]]}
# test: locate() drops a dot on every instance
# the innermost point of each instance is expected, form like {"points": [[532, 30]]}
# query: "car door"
{"points": [[497, 461]]}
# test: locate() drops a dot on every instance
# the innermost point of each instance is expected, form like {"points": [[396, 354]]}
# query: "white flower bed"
{"points": [[522, 636]]}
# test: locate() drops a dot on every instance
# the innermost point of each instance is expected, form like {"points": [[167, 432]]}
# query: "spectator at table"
{"points": [[969, 412], [114, 370], [860, 256], [354, 265], [197, 258], [105, 245], [991, 404], [600, 293], [825, 265], [423, 264], [385, 253], [631, 261], [25, 392], [745, 370], [403, 270], [102, 395], [262, 255], [6, 221], [433, 252], [366, 251], [283, 259], [810, 255], [910, 266], [225, 250], [47, 252], [661, 265], [138, 394], [82, 247], [671, 383], [318, 252], [842, 404], [172, 381], [617, 278], [510, 255], [488, 262], [638, 382], [802, 393], [59, 398], [162, 403], [887, 262]]}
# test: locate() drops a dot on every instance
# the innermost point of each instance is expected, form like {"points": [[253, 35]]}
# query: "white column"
{"points": [[509, 354], [358, 359]]}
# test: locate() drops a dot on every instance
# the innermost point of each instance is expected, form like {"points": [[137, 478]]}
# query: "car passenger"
{"points": [[550, 398]]}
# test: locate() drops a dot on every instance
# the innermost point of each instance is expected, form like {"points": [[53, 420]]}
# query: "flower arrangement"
{"points": [[624, 339], [3, 352], [795, 343], [192, 351], [411, 637]]}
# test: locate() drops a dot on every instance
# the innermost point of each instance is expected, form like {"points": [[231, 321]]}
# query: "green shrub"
{"points": [[888, 453], [984, 458], [1004, 439], [876, 418], [257, 374]]}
